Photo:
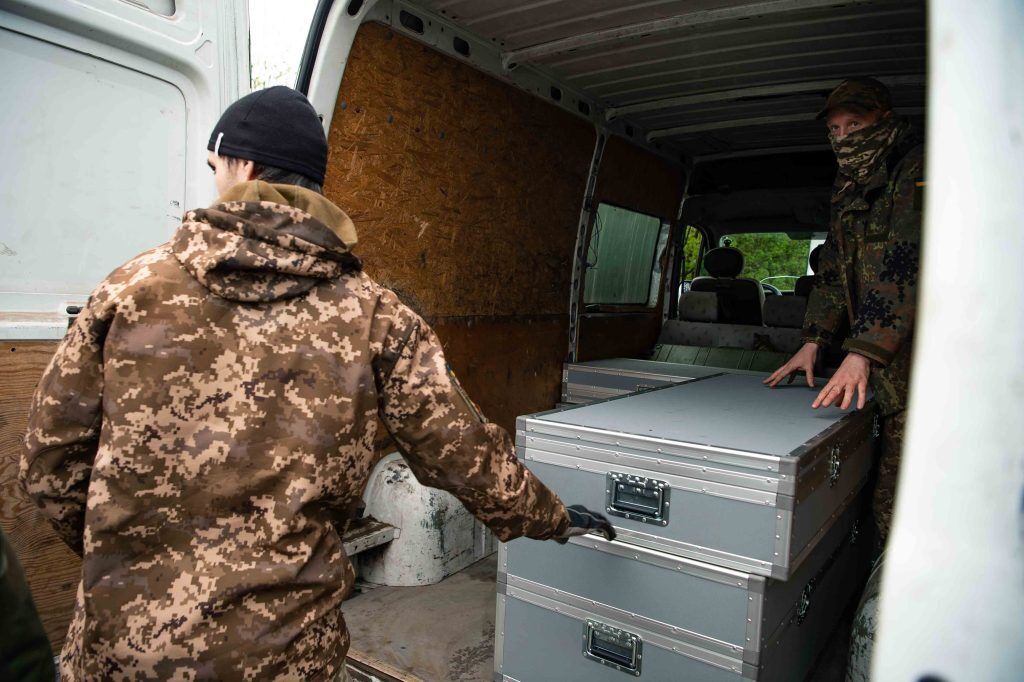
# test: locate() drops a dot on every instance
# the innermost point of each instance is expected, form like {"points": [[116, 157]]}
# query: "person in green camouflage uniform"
{"points": [[869, 268], [207, 426]]}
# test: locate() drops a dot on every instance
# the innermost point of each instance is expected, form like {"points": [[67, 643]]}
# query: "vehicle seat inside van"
{"points": [[698, 306], [697, 326], [740, 299], [785, 311], [805, 284]]}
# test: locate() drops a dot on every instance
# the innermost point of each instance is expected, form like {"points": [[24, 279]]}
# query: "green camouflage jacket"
{"points": [[868, 270], [207, 425]]}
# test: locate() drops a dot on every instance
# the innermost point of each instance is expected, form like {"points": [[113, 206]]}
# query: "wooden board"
{"points": [[466, 193], [51, 568], [638, 180], [365, 668]]}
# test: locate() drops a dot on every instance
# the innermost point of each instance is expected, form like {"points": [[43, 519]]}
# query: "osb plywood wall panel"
{"points": [[625, 336], [466, 193], [51, 568], [508, 366], [636, 179]]}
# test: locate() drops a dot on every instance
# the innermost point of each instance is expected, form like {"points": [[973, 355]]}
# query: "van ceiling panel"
{"points": [[711, 76], [526, 24]]}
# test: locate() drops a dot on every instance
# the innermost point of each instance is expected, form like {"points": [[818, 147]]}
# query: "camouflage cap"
{"points": [[859, 94]]}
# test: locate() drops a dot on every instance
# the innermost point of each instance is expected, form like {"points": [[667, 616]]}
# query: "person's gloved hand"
{"points": [[583, 521]]}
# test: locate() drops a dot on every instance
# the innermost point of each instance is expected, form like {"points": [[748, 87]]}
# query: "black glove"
{"points": [[583, 521]]}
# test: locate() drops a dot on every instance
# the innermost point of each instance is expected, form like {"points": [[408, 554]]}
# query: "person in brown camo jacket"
{"points": [[207, 424]]}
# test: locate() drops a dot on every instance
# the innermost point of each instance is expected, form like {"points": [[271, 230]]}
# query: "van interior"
{"points": [[548, 183], [544, 182]]}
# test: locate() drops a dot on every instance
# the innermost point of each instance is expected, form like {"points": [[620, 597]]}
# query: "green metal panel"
{"points": [[726, 358]]}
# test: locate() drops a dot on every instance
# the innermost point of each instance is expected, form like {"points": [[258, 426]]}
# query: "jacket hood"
{"points": [[263, 242]]}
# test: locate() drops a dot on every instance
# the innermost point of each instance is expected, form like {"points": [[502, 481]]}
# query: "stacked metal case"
{"points": [[586, 382], [735, 507]]}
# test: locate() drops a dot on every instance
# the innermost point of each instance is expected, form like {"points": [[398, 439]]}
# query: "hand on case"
{"points": [[583, 521]]}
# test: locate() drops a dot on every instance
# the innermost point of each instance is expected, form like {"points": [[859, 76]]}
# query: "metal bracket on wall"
{"points": [[579, 261], [673, 276]]}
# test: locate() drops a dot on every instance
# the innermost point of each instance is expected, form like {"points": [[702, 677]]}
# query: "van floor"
{"points": [[445, 631], [435, 632]]}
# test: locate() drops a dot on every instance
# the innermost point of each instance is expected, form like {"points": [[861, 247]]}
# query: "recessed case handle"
{"points": [[612, 647], [637, 498]]}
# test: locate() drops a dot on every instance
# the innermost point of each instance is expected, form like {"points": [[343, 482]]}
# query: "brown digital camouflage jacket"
{"points": [[206, 426], [868, 271]]}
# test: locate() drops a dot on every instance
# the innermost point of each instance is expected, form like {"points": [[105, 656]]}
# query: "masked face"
{"points": [[841, 122], [859, 147]]}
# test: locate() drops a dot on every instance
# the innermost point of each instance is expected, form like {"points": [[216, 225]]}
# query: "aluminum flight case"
{"points": [[585, 382], [722, 469], [595, 610]]}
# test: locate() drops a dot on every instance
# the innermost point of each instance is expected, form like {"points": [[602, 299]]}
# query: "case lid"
{"points": [[736, 412], [652, 367]]}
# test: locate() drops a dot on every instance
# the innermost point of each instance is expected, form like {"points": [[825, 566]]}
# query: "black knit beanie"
{"points": [[275, 127]]}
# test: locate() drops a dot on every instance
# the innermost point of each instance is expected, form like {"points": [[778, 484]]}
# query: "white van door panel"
{"points": [[106, 107]]}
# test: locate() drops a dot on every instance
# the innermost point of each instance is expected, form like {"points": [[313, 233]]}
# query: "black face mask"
{"points": [[859, 153]]}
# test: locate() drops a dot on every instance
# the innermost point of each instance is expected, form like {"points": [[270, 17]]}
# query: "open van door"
{"points": [[951, 588], [105, 107]]}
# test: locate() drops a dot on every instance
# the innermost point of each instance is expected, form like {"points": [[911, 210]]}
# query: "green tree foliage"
{"points": [[691, 251], [772, 255], [264, 73]]}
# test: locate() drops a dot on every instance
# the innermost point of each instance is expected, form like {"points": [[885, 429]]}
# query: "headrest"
{"points": [[698, 306], [804, 286], [815, 258], [724, 261], [785, 311]]}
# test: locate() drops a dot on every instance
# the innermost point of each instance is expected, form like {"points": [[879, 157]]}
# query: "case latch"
{"points": [[637, 498], [804, 605], [834, 465], [612, 647]]}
